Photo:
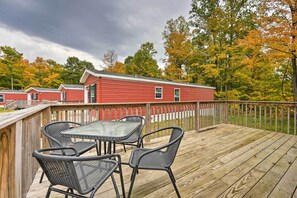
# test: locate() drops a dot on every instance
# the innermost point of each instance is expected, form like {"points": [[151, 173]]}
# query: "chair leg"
{"points": [[115, 186], [104, 143], [169, 171], [122, 181], [48, 191], [124, 148], [97, 149], [69, 190], [132, 181], [41, 177]]}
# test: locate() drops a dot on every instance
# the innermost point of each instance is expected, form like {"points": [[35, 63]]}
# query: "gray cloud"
{"points": [[93, 26]]}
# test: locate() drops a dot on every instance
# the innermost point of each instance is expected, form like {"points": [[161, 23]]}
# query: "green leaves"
{"points": [[143, 62], [73, 70]]}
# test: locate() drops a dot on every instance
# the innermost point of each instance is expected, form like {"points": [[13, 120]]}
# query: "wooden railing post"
{"points": [[148, 120], [226, 113], [197, 117]]}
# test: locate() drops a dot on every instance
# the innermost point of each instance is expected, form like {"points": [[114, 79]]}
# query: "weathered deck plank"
{"points": [[229, 161]]}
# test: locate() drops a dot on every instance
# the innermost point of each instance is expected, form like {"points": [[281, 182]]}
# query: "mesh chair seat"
{"points": [[53, 132], [134, 139], [156, 160], [93, 173], [160, 158], [82, 174]]}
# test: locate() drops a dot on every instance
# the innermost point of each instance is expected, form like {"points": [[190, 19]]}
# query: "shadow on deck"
{"points": [[228, 161]]}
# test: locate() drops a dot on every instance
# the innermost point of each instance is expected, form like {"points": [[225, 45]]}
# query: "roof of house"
{"points": [[105, 74], [71, 86], [13, 91], [40, 89]]}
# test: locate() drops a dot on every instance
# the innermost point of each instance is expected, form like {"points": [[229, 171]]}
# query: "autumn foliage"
{"points": [[246, 49]]}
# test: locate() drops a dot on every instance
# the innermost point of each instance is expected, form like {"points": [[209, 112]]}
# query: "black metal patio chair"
{"points": [[53, 133], [160, 158], [80, 175], [135, 138]]}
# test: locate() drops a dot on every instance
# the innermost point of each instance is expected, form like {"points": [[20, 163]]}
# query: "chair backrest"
{"points": [[174, 142], [53, 132], [59, 170], [135, 118]]}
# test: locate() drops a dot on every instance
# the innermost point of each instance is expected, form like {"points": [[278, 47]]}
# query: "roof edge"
{"points": [[89, 72]]}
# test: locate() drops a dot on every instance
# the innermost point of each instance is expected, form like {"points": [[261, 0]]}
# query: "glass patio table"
{"points": [[103, 131]]}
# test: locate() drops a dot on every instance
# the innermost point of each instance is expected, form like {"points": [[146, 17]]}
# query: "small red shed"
{"points": [[40, 94], [106, 87], [11, 95], [71, 93]]}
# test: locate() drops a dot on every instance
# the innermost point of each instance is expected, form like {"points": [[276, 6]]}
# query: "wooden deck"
{"points": [[228, 161]]}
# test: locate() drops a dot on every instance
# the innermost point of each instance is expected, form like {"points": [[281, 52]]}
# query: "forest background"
{"points": [[246, 49]]}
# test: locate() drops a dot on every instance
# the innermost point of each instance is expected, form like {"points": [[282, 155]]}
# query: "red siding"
{"points": [[13, 96], [129, 91], [114, 91], [73, 95], [46, 95]]}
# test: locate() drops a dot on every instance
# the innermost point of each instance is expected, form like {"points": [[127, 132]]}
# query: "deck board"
{"points": [[228, 161]]}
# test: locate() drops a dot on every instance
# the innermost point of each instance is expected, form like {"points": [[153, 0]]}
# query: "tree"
{"points": [[11, 67], [278, 31], [73, 69], [178, 48], [43, 73], [218, 24], [112, 65], [109, 58], [143, 62]]}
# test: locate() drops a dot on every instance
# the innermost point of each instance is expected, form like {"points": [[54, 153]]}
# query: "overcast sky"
{"points": [[57, 29]]}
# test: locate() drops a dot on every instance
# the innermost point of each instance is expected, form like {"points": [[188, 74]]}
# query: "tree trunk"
{"points": [[294, 77]]}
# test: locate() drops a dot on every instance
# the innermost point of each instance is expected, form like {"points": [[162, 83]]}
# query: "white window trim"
{"points": [[3, 97], [158, 92], [174, 94]]}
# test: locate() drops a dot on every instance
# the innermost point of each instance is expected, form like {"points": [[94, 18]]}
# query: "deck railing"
{"points": [[20, 131], [272, 116]]}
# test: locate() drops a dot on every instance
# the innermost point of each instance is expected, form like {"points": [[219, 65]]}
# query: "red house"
{"points": [[11, 95], [41, 94], [106, 87], [71, 93]]}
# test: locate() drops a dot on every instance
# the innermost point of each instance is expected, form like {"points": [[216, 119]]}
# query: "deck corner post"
{"points": [[46, 118], [148, 120], [18, 159]]}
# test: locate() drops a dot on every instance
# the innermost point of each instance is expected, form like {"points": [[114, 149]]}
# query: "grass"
{"points": [[2, 110]]}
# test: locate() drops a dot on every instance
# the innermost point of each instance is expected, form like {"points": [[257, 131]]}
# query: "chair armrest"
{"points": [[151, 133], [91, 158], [60, 148]]}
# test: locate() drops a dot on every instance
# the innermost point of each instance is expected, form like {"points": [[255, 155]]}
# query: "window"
{"points": [[176, 94], [158, 92], [92, 93], [1, 98], [34, 96]]}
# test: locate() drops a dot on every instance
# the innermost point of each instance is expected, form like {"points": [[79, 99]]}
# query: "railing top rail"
{"points": [[250, 102], [7, 119], [262, 102], [119, 104]]}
